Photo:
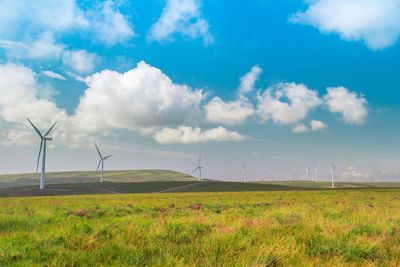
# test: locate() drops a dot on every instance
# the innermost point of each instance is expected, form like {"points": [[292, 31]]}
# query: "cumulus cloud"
{"points": [[34, 30], [52, 74], [185, 135], [374, 21], [317, 125], [42, 48], [349, 104], [247, 81], [300, 129], [181, 16], [314, 126], [141, 98], [237, 111], [286, 103], [19, 97], [229, 113], [28, 18], [110, 25], [80, 60]]}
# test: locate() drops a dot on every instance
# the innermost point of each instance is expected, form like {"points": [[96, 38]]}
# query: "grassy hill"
{"points": [[14, 180]]}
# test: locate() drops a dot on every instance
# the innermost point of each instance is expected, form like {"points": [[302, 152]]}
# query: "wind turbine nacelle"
{"points": [[48, 138]]}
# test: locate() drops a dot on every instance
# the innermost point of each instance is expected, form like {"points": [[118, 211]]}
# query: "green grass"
{"points": [[13, 180], [280, 228]]}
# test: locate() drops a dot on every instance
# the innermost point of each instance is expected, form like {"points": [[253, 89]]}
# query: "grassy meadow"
{"points": [[317, 227]]}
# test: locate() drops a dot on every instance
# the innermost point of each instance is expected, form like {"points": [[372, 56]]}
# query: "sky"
{"points": [[276, 86]]}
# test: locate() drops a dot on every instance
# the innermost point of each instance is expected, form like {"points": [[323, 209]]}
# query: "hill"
{"points": [[14, 180]]}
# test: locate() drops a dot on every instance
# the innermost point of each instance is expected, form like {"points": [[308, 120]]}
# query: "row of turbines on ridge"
{"points": [[42, 151]]}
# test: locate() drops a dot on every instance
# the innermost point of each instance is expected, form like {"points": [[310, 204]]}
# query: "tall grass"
{"points": [[214, 229]]}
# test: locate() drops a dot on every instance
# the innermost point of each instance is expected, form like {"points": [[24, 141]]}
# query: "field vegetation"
{"points": [[276, 228]]}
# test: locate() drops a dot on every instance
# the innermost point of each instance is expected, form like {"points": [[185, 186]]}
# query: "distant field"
{"points": [[13, 180], [317, 227], [148, 181]]}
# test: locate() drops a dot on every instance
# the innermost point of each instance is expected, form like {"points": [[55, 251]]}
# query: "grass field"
{"points": [[328, 227]]}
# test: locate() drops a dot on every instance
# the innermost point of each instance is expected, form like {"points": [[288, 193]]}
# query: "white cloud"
{"points": [[300, 129], [110, 25], [229, 113], [181, 16], [19, 17], [52, 74], [374, 21], [247, 81], [349, 104], [300, 100], [185, 135], [317, 125], [80, 60], [76, 76], [46, 48], [141, 98], [20, 98], [42, 48], [314, 126]]}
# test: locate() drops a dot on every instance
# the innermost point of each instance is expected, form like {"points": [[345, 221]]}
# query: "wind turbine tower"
{"points": [[102, 159], [357, 172], [308, 174], [244, 174], [199, 167], [44, 138], [332, 174], [316, 172]]}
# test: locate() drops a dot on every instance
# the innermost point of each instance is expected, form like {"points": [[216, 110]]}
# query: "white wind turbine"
{"points": [[308, 174], [332, 174], [244, 174], [44, 138], [102, 159], [357, 171], [316, 172], [199, 167]]}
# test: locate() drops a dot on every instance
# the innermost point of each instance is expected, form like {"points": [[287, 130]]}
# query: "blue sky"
{"points": [[273, 85]]}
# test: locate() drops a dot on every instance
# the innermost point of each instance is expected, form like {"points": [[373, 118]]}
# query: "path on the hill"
{"points": [[109, 191], [178, 187]]}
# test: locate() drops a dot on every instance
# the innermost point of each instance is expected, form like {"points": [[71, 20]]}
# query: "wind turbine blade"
{"points": [[195, 170], [98, 151], [98, 166], [40, 150], [36, 129], [51, 128]]}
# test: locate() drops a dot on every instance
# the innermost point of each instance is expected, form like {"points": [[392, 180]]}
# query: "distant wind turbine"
{"points": [[102, 159], [308, 174], [356, 170], [44, 138], [332, 174], [199, 167], [244, 174], [316, 172]]}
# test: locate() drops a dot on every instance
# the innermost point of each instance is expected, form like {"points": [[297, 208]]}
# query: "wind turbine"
{"points": [[316, 172], [199, 167], [244, 173], [308, 174], [102, 159], [356, 171], [332, 174], [44, 138]]}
